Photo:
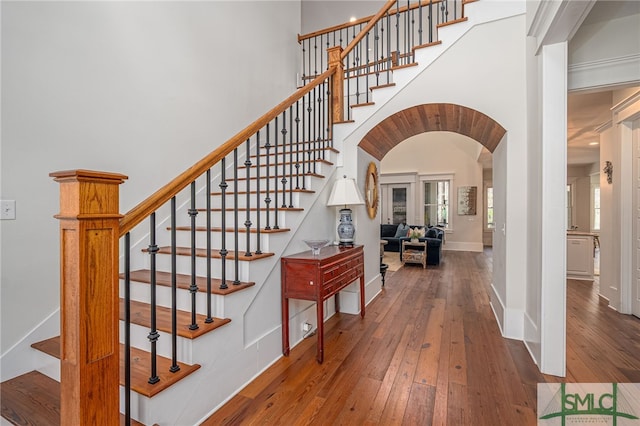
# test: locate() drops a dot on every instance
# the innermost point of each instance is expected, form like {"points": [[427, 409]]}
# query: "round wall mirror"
{"points": [[371, 190]]}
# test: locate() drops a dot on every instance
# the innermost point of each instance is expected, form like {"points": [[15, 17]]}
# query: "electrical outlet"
{"points": [[7, 209], [306, 327]]}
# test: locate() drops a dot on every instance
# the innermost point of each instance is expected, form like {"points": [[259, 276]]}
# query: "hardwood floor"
{"points": [[429, 351]]}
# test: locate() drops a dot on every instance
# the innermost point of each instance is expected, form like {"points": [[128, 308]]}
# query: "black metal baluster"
{"points": [[193, 288], [367, 68], [275, 175], [397, 33], [322, 56], [174, 292], [308, 141], [376, 41], [320, 153], [420, 22], [283, 181], [357, 55], [315, 57], [209, 318], [247, 222], [258, 203], [223, 242], [298, 146], [267, 200], [410, 34], [347, 104], [304, 68], [236, 238], [153, 333], [429, 16], [389, 60], [315, 134], [127, 329], [291, 154]]}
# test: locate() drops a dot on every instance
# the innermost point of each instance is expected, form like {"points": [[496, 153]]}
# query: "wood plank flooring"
{"points": [[429, 351]]}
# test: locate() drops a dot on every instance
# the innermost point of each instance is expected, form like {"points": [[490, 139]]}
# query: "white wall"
{"points": [[444, 153], [141, 88], [320, 14], [609, 274], [606, 48], [468, 75]]}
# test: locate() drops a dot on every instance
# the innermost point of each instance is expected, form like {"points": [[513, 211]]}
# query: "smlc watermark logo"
{"points": [[615, 404]]}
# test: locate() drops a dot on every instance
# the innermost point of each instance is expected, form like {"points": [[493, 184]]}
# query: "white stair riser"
{"points": [[183, 239], [183, 265], [141, 292], [301, 181], [163, 345]]}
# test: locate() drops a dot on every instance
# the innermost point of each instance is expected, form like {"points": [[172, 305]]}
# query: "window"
{"points": [[489, 224], [436, 202], [595, 211]]}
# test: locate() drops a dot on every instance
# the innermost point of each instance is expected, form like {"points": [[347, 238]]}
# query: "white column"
{"points": [[554, 164]]}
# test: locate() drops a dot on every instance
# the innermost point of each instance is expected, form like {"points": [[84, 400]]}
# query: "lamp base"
{"points": [[346, 230]]}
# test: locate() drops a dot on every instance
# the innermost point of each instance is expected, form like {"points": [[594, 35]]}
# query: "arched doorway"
{"points": [[432, 117], [462, 120]]}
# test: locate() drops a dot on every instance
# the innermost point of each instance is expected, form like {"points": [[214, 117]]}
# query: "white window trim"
{"points": [[433, 177]]}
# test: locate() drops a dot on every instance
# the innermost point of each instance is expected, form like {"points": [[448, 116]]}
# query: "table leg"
{"points": [[320, 343], [285, 326], [362, 296]]}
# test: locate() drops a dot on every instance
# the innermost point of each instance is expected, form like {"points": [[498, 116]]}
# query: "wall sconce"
{"points": [[608, 169], [345, 192]]}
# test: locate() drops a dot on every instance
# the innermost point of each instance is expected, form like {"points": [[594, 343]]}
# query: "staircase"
{"points": [[203, 252]]}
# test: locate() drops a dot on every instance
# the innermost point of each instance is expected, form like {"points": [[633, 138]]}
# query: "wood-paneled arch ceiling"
{"points": [[432, 118]]}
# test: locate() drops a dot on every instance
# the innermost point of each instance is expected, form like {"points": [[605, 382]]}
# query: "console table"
{"points": [[316, 278]]}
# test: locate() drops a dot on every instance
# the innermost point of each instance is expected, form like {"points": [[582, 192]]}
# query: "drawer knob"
{"points": [[310, 282]]}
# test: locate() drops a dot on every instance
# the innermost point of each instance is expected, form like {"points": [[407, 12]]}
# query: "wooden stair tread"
{"points": [[215, 253], [240, 230], [31, 399], [363, 104], [399, 67], [34, 399], [140, 367], [382, 86], [141, 315], [183, 281], [49, 346], [454, 21], [423, 46]]}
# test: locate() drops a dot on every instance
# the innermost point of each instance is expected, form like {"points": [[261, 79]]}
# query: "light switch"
{"points": [[8, 211]]}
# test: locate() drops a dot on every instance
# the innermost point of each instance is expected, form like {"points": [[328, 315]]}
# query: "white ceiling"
{"points": [[586, 112]]}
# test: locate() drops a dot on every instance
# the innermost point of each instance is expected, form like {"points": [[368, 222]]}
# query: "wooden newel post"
{"points": [[89, 349], [337, 84]]}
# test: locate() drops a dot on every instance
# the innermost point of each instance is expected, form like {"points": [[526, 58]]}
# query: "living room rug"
{"points": [[393, 260]]}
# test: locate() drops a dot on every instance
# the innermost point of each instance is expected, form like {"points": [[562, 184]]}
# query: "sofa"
{"points": [[434, 238]]}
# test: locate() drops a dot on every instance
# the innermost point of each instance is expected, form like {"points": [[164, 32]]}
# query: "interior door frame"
{"points": [[388, 181]]}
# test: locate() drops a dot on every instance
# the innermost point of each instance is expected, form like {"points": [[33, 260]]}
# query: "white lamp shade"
{"points": [[345, 192]]}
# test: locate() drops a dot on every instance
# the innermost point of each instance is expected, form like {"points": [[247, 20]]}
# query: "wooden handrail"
{"points": [[137, 214], [366, 19], [367, 28]]}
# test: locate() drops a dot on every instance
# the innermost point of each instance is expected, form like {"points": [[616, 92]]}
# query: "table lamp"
{"points": [[345, 193]]}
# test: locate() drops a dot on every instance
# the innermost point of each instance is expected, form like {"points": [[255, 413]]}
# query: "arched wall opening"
{"points": [[428, 118]]}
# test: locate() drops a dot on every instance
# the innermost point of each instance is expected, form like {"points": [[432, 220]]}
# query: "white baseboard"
{"points": [[21, 357], [497, 308]]}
